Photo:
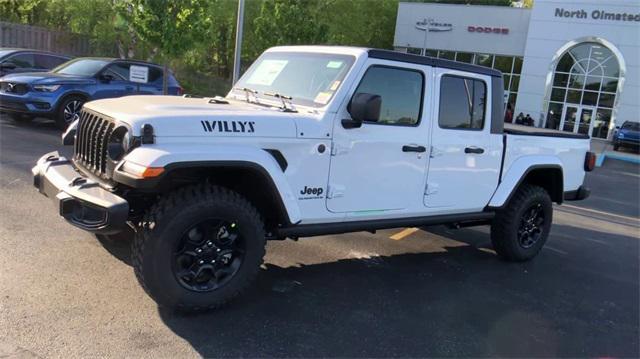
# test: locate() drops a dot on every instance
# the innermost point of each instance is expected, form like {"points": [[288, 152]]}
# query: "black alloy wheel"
{"points": [[71, 110], [209, 254], [530, 229]]}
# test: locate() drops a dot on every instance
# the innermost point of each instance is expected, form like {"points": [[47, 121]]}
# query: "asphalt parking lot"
{"points": [[436, 292]]}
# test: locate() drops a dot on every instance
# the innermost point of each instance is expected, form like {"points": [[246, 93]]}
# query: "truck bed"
{"points": [[514, 129]]}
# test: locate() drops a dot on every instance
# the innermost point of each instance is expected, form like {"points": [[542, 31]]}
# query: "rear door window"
{"points": [[462, 103], [155, 74]]}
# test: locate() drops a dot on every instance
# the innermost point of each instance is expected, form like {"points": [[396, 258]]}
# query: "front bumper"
{"points": [[627, 141], [81, 201], [28, 104]]}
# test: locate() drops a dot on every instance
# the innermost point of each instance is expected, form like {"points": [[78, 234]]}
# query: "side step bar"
{"points": [[321, 229]]}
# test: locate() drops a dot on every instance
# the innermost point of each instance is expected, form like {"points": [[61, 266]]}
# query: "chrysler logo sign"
{"points": [[433, 26]]}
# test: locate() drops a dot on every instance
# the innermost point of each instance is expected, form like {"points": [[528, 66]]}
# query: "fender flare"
{"points": [[179, 156], [517, 172]]}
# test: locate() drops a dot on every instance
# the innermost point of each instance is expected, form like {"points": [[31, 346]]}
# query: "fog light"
{"points": [[42, 105]]}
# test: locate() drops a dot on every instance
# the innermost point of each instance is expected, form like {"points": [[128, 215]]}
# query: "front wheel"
{"points": [[198, 248], [616, 147], [520, 230], [68, 110]]}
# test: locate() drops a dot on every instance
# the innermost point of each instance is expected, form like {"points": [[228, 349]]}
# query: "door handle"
{"points": [[474, 149], [412, 148]]}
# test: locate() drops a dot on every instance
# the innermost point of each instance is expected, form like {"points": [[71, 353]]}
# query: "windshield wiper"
{"points": [[248, 92], [287, 106]]}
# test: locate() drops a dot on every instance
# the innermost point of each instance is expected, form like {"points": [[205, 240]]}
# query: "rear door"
{"points": [[465, 157], [154, 83], [381, 165]]}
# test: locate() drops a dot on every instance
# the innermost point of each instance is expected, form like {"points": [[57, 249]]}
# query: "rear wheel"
{"points": [[68, 111], [198, 248], [520, 230]]}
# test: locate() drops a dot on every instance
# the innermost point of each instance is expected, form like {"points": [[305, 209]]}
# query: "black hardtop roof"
{"points": [[430, 61]]}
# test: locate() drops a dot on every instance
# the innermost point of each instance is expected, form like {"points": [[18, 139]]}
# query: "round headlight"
{"points": [[118, 144]]}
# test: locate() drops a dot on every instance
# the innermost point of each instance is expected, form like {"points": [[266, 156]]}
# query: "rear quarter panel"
{"points": [[523, 152]]}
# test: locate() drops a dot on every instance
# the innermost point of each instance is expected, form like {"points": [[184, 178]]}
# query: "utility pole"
{"points": [[237, 56]]}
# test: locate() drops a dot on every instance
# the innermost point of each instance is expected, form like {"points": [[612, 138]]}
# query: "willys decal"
{"points": [[228, 126]]}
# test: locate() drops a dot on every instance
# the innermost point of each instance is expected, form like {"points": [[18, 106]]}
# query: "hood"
{"points": [[174, 116], [46, 78]]}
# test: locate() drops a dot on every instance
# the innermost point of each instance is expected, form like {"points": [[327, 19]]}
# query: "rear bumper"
{"points": [[82, 202], [581, 193]]}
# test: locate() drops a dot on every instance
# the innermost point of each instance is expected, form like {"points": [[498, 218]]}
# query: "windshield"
{"points": [[633, 126], [310, 79], [81, 67]]}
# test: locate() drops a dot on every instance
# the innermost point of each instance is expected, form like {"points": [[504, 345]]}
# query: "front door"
{"points": [[577, 119], [465, 156], [381, 166]]}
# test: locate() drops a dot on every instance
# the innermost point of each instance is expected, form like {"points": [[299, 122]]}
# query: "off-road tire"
{"points": [[164, 224], [504, 228]]}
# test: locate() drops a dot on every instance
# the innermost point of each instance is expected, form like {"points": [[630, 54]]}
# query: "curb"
{"points": [[615, 156]]}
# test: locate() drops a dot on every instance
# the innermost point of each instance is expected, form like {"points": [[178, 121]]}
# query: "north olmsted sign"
{"points": [[596, 15]]}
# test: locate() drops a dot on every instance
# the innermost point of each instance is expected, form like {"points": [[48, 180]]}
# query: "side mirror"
{"points": [[7, 66], [363, 107], [106, 78]]}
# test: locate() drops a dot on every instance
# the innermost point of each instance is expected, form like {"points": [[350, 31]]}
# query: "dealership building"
{"points": [[572, 65]]}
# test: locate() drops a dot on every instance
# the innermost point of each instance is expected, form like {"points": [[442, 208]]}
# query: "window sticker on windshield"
{"points": [[335, 85], [267, 72], [323, 97], [334, 64]]}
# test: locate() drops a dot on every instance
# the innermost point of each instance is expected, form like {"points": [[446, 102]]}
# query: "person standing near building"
{"points": [[520, 119], [508, 115], [528, 121]]}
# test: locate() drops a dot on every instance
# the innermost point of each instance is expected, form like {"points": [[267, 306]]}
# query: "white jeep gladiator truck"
{"points": [[311, 141]]}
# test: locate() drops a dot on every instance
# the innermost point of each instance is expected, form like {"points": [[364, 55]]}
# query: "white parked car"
{"points": [[311, 141]]}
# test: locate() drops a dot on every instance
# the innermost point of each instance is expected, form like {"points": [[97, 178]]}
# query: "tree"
{"points": [[287, 22], [171, 27]]}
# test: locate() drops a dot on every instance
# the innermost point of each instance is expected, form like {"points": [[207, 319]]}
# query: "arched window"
{"points": [[585, 83]]}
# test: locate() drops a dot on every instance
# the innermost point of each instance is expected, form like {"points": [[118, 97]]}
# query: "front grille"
{"points": [[92, 136], [14, 87]]}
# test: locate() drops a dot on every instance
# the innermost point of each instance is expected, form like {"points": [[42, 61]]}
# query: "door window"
{"points": [[401, 91], [462, 103], [119, 70], [24, 61]]}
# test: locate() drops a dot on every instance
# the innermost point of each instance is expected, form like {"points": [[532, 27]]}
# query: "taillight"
{"points": [[180, 91], [589, 161]]}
